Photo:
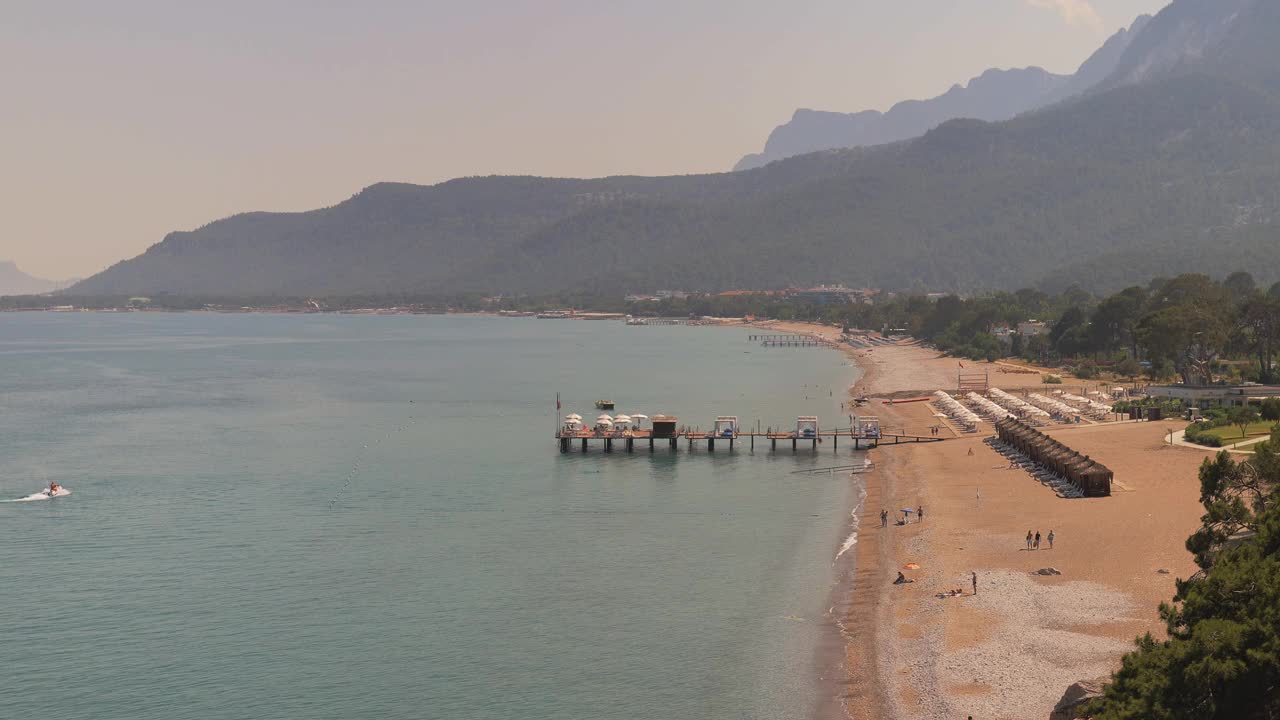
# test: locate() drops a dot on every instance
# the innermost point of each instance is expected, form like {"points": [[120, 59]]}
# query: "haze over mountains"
{"points": [[15, 282], [1171, 164], [995, 95]]}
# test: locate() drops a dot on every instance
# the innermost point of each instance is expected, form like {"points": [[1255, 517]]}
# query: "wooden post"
{"points": [[650, 443], [793, 445], [608, 445], [584, 444], [730, 444], [630, 445], [711, 444]]}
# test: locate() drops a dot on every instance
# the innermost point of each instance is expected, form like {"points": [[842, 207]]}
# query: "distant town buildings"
{"points": [[820, 295], [1032, 328], [833, 295], [1222, 395]]}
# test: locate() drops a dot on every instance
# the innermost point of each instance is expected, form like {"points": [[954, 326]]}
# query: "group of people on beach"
{"points": [[906, 516], [1033, 541]]}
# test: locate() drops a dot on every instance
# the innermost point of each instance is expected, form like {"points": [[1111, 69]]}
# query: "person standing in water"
{"points": [[974, 577]]}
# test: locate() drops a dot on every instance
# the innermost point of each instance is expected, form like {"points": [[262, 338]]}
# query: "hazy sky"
{"points": [[124, 120]]}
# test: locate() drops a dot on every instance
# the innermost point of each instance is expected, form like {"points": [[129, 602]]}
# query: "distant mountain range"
{"points": [[15, 282], [1172, 164], [993, 96]]}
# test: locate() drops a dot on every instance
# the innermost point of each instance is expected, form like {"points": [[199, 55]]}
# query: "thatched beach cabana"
{"points": [[1084, 473]]}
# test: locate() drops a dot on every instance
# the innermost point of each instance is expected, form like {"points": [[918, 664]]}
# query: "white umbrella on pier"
{"points": [[573, 416], [605, 418], [622, 419]]}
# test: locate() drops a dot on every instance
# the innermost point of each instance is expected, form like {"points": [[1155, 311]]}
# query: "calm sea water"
{"points": [[353, 516]]}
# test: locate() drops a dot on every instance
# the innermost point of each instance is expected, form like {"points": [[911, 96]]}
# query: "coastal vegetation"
{"points": [[1222, 656], [1190, 327]]}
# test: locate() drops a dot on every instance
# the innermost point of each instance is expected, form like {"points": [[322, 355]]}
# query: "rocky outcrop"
{"points": [[1076, 696], [993, 96]]}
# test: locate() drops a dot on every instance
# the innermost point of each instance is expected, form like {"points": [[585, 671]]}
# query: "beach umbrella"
{"points": [[908, 510], [622, 419], [601, 418], [638, 416], [573, 416]]}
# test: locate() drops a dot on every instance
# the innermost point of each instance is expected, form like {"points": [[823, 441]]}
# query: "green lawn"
{"points": [[1231, 434]]}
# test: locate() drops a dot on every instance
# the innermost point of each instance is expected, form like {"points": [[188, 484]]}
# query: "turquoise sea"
{"points": [[323, 516]]}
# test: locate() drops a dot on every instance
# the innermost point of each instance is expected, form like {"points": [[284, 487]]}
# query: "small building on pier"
{"points": [[866, 428], [726, 426], [807, 426], [664, 426]]}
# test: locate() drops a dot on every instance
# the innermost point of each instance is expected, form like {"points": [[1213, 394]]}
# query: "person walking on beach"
{"points": [[1050, 539], [1028, 539], [884, 518], [974, 577], [1037, 546], [920, 514]]}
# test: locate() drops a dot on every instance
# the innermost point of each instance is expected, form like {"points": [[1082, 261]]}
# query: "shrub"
{"points": [[1051, 380], [1271, 409], [1086, 371], [1199, 438]]}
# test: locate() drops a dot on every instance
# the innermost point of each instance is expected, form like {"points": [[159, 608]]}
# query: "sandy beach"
{"points": [[1011, 650]]}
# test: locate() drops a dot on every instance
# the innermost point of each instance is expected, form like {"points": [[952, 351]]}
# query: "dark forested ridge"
{"points": [[1174, 171]]}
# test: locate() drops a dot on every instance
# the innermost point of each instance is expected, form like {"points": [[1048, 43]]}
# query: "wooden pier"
{"points": [[628, 441], [792, 341]]}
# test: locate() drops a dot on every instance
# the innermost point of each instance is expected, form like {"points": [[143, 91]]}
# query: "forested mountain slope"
{"points": [[1178, 170]]}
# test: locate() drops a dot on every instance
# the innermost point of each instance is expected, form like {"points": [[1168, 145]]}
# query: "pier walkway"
{"points": [[792, 341], [627, 441]]}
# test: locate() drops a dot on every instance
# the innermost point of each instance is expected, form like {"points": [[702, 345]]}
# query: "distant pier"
{"points": [[627, 441], [792, 341]]}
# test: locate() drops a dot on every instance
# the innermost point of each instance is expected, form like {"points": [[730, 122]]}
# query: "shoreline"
{"points": [[1009, 652]]}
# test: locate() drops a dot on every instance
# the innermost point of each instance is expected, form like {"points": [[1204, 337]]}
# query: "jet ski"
{"points": [[45, 494]]}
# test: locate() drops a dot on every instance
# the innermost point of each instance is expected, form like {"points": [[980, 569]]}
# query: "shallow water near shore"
{"points": [[367, 516]]}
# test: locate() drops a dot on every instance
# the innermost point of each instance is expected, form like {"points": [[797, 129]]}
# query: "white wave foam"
{"points": [[855, 521]]}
